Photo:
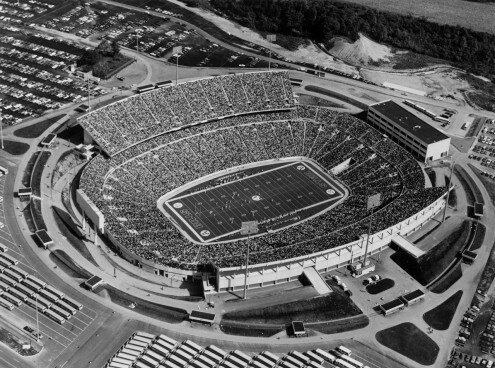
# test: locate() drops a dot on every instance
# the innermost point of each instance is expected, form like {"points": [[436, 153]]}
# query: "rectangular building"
{"points": [[424, 141]]}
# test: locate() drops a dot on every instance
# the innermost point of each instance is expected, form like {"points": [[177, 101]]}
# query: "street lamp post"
{"points": [[270, 38], [448, 191], [176, 51]]}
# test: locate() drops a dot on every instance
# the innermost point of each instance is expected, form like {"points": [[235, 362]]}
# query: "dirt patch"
{"points": [[363, 51]]}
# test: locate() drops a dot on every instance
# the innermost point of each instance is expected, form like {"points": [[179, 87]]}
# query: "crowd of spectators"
{"points": [[127, 186], [124, 123]]}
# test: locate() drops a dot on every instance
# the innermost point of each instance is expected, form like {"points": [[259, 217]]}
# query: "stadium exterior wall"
{"points": [[272, 273]]}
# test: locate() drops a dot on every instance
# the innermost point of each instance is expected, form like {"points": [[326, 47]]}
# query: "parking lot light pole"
{"points": [[1, 130], [270, 38], [176, 51]]}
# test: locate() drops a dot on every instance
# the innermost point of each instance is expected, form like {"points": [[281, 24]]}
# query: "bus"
{"points": [[122, 355], [6, 304], [138, 343], [228, 364], [146, 340], [183, 355], [299, 356], [47, 295], [352, 361], [57, 318], [130, 352], [13, 275], [117, 365], [313, 364], [11, 298], [293, 360], [4, 286], [270, 356], [32, 303], [342, 349], [60, 311], [9, 258], [37, 281], [3, 248], [286, 364], [264, 360], [18, 294], [257, 364], [198, 364], [210, 355], [343, 364], [160, 349], [28, 283], [145, 334], [167, 339], [177, 360], [52, 290], [193, 346], [314, 357], [188, 350], [239, 363], [139, 364], [206, 360], [165, 344], [4, 170], [44, 301], [240, 355], [66, 307], [127, 362], [139, 349], [325, 355], [72, 302], [169, 364], [4, 263], [222, 354], [8, 280], [19, 271], [155, 355]]}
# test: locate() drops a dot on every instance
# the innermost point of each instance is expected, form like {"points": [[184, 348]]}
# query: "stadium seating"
{"points": [[164, 139]]}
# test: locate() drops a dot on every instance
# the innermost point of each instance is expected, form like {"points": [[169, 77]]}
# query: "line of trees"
{"points": [[320, 20]]}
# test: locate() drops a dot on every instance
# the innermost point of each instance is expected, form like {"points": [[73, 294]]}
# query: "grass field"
{"points": [[15, 148], [380, 286], [477, 16], [447, 280], [440, 317], [305, 99], [408, 340], [35, 130], [487, 182]]}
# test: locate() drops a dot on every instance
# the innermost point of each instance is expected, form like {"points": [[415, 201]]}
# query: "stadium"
{"points": [[183, 167]]}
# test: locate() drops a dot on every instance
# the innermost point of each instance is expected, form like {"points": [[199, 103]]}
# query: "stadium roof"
{"points": [[409, 122]]}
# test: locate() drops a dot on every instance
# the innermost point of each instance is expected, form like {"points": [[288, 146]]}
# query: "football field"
{"points": [[215, 212]]}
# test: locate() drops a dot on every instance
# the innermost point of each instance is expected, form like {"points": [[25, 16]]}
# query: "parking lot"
{"points": [[483, 151]]}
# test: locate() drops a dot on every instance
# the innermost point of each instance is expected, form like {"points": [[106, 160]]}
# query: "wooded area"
{"points": [[320, 20]]}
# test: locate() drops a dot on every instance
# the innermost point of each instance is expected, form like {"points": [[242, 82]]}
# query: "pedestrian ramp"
{"points": [[316, 280]]}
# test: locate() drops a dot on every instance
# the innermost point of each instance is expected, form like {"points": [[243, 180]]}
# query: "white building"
{"points": [[414, 134]]}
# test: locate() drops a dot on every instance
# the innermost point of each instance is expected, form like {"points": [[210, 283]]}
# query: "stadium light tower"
{"points": [[1, 130], [270, 38], [248, 228], [372, 202], [176, 51], [448, 192]]}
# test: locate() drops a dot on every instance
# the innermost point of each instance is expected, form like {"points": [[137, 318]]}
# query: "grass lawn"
{"points": [[65, 261], [447, 280], [246, 329], [380, 286], [35, 130], [15, 148], [324, 308], [408, 340], [305, 99], [440, 317], [479, 237]]}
